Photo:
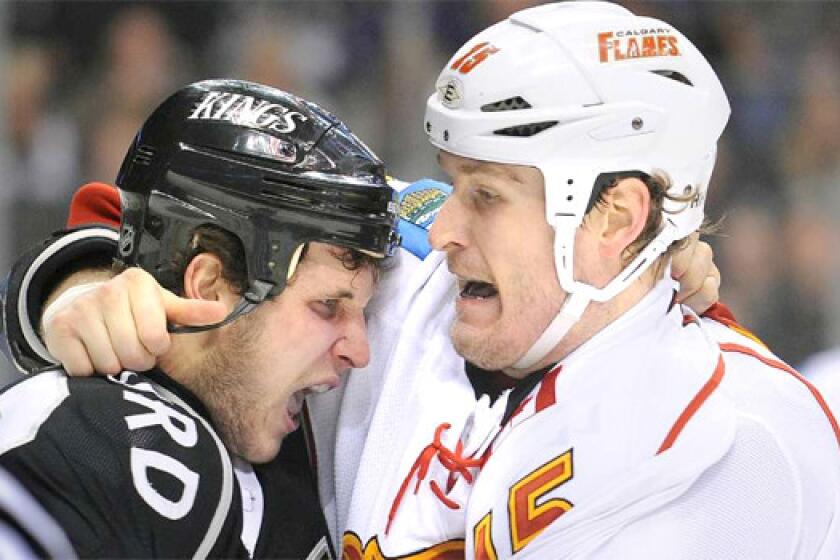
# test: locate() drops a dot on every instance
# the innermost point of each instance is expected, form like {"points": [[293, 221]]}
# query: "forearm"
{"points": [[66, 259]]}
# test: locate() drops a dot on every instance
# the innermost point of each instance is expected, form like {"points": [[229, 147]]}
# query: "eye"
{"points": [[325, 308], [485, 195]]}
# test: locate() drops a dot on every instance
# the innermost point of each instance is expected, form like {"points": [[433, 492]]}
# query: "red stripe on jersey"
{"points": [[731, 347], [690, 320], [695, 404], [720, 313], [546, 395], [519, 409]]}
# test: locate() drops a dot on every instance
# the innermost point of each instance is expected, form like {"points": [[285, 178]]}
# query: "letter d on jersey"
{"points": [[142, 460]]}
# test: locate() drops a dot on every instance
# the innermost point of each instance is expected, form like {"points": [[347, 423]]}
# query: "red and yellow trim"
{"points": [[352, 549], [483, 538], [528, 518]]}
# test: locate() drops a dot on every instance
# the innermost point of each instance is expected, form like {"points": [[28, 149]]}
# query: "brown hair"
{"points": [[210, 238], [657, 185]]}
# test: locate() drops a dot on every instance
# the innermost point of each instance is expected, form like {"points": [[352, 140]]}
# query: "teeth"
{"points": [[296, 403], [320, 388]]}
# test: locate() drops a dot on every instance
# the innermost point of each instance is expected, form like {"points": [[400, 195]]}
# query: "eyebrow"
{"points": [[341, 294], [469, 167]]}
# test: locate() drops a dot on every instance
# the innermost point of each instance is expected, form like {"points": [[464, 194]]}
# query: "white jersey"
{"points": [[370, 431], [663, 436], [823, 370]]}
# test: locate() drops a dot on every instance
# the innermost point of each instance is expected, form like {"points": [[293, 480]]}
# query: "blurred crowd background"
{"points": [[79, 77]]}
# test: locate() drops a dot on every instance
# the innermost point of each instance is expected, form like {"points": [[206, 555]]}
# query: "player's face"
{"points": [[499, 246], [300, 342]]}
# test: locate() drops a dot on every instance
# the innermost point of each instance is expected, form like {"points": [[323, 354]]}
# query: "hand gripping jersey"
{"points": [[663, 436]]}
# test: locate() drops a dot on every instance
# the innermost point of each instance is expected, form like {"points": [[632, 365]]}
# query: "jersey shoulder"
{"points": [[125, 468]]}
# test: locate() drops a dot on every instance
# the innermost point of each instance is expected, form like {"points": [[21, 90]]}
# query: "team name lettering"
{"points": [[247, 111], [637, 43], [182, 430]]}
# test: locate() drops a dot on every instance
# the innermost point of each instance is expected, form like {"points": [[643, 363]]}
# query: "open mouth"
{"points": [[474, 289], [297, 399]]}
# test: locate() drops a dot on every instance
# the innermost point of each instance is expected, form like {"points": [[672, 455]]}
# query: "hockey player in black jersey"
{"points": [[264, 203]]}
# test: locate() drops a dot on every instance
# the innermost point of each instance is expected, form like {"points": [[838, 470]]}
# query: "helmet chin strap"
{"points": [[581, 294], [577, 299], [569, 314]]}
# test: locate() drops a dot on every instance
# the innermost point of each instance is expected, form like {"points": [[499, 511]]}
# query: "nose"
{"points": [[353, 349], [449, 231]]}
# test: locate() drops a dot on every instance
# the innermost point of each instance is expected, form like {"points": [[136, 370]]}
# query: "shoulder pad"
{"points": [[34, 275], [420, 203]]}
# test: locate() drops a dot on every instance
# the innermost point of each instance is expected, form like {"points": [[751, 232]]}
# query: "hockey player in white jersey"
{"points": [[580, 140]]}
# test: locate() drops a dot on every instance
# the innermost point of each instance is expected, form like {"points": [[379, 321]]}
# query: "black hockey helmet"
{"points": [[271, 168]]}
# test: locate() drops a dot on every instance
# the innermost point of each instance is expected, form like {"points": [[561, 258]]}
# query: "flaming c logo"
{"points": [[352, 549], [475, 56]]}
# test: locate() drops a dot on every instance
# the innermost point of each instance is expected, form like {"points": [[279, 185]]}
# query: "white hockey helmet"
{"points": [[577, 90]]}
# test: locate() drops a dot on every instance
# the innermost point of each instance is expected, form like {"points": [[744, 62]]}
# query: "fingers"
{"points": [[78, 338], [699, 278], [182, 311], [149, 312], [682, 260], [122, 324], [707, 295], [125, 316], [119, 325]]}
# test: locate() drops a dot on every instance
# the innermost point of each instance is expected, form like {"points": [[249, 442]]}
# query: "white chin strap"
{"points": [[581, 294], [569, 314]]}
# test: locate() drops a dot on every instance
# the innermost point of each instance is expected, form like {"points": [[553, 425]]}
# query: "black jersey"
{"points": [[131, 466], [26, 530]]}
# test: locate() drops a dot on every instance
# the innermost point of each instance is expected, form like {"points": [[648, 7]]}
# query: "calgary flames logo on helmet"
{"points": [[636, 43]]}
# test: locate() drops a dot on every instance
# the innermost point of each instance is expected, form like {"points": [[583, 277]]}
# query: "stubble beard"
{"points": [[221, 386], [500, 345]]}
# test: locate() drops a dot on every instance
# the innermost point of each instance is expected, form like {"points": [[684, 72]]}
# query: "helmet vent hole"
{"points": [[144, 155], [673, 75], [525, 130], [509, 104]]}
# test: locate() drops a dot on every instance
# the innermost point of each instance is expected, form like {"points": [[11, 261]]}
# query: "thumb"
{"points": [[193, 312]]}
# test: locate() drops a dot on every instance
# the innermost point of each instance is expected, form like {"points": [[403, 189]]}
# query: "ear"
{"points": [[203, 280], [622, 217]]}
